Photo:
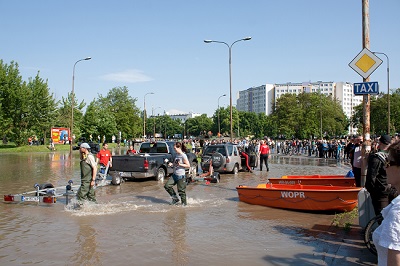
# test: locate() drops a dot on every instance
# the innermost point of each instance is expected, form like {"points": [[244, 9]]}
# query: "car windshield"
{"points": [[212, 149]]}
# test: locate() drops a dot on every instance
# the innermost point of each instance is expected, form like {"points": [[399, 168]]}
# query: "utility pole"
{"points": [[366, 146]]}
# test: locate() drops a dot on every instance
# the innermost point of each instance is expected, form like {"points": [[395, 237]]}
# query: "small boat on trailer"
{"points": [[323, 180], [47, 193], [301, 197]]}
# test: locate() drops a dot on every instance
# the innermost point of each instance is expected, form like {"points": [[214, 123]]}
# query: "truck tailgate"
{"points": [[128, 163]]}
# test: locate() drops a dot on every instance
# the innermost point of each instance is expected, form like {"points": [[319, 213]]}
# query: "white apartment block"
{"points": [[182, 117], [261, 99]]}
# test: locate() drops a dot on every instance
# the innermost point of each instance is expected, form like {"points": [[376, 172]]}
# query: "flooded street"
{"points": [[134, 225]]}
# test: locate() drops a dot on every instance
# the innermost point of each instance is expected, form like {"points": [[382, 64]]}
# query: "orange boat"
{"points": [[323, 180], [301, 197]]}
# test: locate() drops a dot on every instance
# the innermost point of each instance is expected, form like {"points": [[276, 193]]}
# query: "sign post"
{"points": [[366, 88], [364, 64]]}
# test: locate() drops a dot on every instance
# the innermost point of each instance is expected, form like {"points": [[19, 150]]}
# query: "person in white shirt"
{"points": [[387, 236]]}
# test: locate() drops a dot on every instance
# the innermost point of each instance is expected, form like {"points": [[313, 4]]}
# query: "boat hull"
{"points": [[323, 180], [301, 197]]}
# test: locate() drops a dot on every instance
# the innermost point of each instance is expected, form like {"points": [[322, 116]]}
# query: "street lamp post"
{"points": [[230, 74], [144, 114], [73, 100], [152, 113], [388, 90], [219, 126]]}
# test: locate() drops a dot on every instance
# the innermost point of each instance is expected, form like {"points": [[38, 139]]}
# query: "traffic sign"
{"points": [[365, 63], [366, 88]]}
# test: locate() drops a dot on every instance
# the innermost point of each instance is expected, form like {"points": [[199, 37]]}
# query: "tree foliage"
{"points": [[194, 126], [111, 114], [379, 114], [26, 108], [307, 115], [42, 100]]}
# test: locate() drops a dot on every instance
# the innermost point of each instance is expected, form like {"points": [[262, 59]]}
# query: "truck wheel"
{"points": [[160, 174], [116, 179], [193, 169], [235, 170]]}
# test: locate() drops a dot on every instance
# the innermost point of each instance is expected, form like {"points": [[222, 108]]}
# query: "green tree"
{"points": [[194, 126], [247, 123], [64, 114], [300, 116], [170, 127], [15, 97], [98, 121], [225, 122], [379, 114], [126, 113], [286, 115], [44, 105]]}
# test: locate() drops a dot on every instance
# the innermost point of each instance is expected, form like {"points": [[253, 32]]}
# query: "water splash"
{"points": [[88, 208]]}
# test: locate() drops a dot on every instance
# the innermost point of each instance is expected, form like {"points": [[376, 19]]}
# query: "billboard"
{"points": [[60, 135]]}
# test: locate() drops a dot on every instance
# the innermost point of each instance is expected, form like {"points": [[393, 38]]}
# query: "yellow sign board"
{"points": [[365, 63]]}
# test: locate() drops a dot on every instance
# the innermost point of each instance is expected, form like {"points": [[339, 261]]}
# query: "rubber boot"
{"points": [[175, 200], [183, 199]]}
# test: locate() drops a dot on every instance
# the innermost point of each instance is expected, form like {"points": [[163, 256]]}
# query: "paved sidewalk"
{"points": [[352, 249]]}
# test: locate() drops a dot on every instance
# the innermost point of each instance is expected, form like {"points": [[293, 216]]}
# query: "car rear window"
{"points": [[153, 148], [230, 149], [211, 149]]}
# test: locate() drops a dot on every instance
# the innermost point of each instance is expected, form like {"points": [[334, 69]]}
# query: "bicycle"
{"points": [[369, 230]]}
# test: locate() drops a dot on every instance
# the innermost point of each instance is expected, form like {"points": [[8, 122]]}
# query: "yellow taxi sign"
{"points": [[365, 63]]}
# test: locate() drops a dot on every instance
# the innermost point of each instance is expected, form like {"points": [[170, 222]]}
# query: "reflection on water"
{"points": [[175, 224], [86, 252], [134, 225]]}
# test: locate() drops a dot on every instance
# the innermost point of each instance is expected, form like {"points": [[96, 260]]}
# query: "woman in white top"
{"points": [[387, 236]]}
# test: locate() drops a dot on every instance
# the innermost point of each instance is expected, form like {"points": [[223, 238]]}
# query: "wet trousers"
{"points": [[180, 182], [86, 191], [264, 159]]}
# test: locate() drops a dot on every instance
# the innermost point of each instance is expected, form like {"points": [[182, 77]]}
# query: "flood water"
{"points": [[133, 224]]}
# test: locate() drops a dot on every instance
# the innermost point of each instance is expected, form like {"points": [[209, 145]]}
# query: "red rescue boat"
{"points": [[323, 180], [301, 197]]}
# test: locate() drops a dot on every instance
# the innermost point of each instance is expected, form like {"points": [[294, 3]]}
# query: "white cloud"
{"points": [[128, 76]]}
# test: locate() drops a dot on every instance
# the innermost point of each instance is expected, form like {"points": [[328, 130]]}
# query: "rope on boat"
{"points": [[300, 200]]}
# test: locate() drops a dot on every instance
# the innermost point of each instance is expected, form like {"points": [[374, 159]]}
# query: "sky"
{"points": [[157, 46]]}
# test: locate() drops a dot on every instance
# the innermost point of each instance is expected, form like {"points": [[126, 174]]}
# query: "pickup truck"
{"points": [[151, 161]]}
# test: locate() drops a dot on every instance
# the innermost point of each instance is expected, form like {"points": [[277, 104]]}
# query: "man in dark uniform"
{"points": [[376, 180]]}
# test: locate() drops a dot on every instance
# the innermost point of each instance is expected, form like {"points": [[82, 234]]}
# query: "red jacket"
{"points": [[264, 149]]}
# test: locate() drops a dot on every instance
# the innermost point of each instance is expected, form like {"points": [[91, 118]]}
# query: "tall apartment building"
{"points": [[260, 99], [256, 99]]}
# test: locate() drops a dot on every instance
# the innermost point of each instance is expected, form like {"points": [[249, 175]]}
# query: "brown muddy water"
{"points": [[133, 224]]}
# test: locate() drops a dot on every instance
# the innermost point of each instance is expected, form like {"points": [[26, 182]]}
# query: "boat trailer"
{"points": [[47, 193]]}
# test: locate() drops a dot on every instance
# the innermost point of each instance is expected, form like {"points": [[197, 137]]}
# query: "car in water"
{"points": [[152, 161], [226, 158]]}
